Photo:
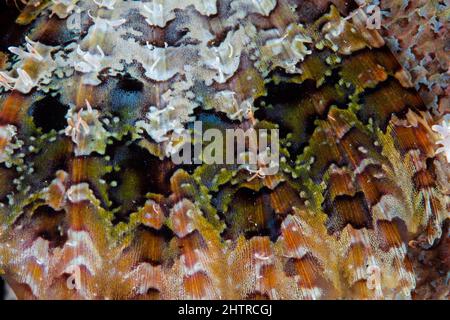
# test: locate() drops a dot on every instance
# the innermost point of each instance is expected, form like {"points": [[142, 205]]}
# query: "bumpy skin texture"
{"points": [[417, 32], [91, 111]]}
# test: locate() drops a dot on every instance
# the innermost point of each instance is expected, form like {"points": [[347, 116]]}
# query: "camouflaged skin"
{"points": [[417, 32], [91, 110]]}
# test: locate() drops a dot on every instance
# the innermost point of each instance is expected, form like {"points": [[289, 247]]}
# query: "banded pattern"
{"points": [[96, 96]]}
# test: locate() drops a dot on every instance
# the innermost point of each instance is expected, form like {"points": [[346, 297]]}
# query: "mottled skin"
{"points": [[361, 187]]}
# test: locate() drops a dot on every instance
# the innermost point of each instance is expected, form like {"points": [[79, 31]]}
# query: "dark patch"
{"points": [[7, 174], [11, 34], [125, 98], [309, 11], [173, 33], [295, 108], [213, 119], [49, 114], [140, 173], [54, 31], [250, 213], [53, 157], [347, 209], [386, 99], [48, 224], [426, 178], [165, 232], [151, 244], [128, 83]]}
